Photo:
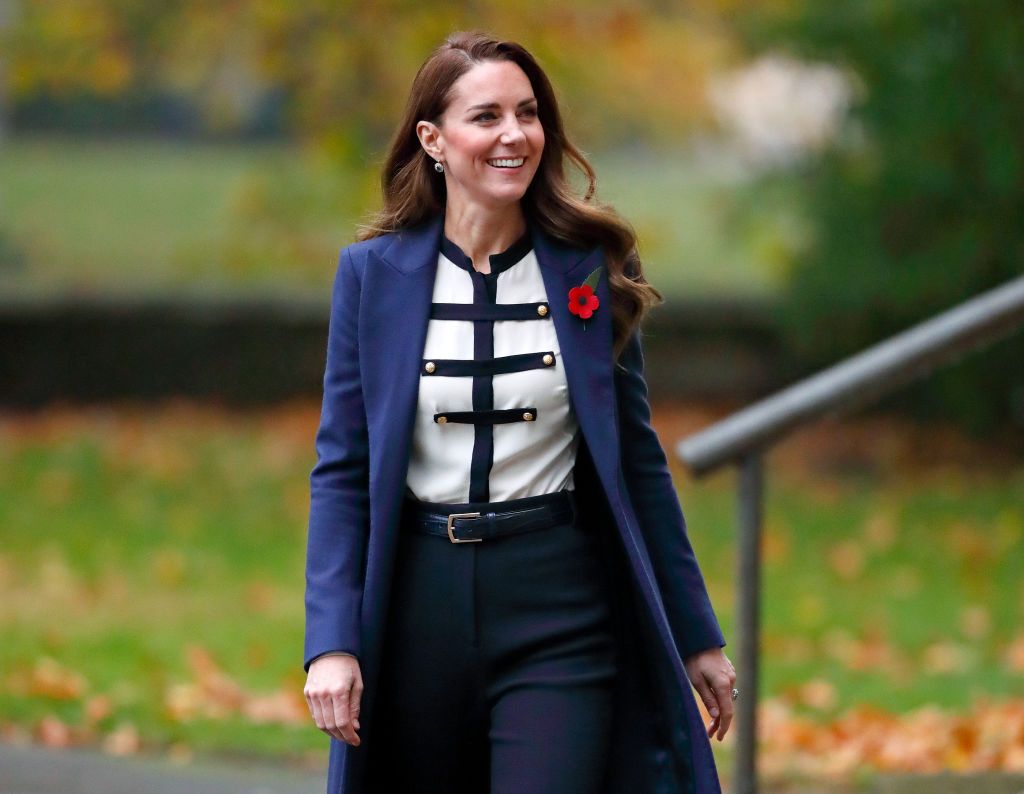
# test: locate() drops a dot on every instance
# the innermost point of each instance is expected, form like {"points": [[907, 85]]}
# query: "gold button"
{"points": [[442, 419], [528, 416], [430, 366], [548, 358], [542, 310]]}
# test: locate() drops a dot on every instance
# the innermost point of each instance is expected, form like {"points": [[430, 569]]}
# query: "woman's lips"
{"points": [[507, 163]]}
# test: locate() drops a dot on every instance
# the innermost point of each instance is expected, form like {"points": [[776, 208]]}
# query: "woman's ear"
{"points": [[430, 139]]}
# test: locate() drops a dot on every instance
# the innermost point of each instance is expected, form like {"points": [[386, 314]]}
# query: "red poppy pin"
{"points": [[582, 300]]}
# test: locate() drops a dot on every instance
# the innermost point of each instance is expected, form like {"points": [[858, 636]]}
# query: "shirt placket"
{"points": [[484, 292]]}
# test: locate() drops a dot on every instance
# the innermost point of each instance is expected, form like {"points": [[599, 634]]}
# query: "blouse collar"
{"points": [[499, 262]]}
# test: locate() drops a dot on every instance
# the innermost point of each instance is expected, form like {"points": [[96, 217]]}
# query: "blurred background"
{"points": [[176, 180]]}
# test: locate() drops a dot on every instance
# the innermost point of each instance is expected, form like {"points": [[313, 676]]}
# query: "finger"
{"points": [[318, 698], [355, 700], [712, 727], [724, 727], [342, 716], [328, 724], [723, 693], [327, 721], [728, 718], [708, 697], [325, 716], [315, 710], [312, 694]]}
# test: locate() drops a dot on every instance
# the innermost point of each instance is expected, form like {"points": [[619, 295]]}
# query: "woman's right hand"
{"points": [[334, 688]]}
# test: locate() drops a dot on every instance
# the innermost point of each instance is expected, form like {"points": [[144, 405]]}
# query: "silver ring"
{"points": [[735, 693]]}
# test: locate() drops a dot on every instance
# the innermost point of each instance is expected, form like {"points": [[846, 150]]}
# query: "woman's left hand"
{"points": [[713, 676]]}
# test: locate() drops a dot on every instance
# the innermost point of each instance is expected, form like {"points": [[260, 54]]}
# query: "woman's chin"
{"points": [[510, 195]]}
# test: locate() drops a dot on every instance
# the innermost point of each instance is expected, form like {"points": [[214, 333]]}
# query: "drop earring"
{"points": [[438, 167]]}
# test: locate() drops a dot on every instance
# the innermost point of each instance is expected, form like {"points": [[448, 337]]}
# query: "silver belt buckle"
{"points": [[451, 536]]}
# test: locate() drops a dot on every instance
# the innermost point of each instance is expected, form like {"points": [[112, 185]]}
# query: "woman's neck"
{"points": [[480, 232]]}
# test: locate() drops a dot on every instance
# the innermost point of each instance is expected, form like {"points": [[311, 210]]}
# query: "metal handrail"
{"points": [[860, 379], [745, 436]]}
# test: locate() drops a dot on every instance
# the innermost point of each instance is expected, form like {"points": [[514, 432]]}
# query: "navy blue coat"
{"points": [[379, 312]]}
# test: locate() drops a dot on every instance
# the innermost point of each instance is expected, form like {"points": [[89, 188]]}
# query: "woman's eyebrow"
{"points": [[492, 105]]}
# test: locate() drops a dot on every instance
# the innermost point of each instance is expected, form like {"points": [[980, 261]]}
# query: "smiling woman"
{"points": [[500, 592]]}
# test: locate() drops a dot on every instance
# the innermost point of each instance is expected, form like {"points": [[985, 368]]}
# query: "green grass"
{"points": [[122, 547], [150, 216], [131, 536]]}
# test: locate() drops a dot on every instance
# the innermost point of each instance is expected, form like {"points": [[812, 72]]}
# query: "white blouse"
{"points": [[493, 420]]}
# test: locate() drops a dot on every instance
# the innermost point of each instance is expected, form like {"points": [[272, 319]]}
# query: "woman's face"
{"points": [[490, 138]]}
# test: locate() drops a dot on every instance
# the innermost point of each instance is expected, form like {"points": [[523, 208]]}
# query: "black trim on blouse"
{"points": [[490, 311], [499, 262], [502, 365], [498, 416]]}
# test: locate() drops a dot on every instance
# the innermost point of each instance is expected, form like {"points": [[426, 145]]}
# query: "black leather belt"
{"points": [[472, 522]]}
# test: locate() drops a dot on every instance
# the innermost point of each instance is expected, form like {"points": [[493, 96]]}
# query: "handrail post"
{"points": [[750, 500]]}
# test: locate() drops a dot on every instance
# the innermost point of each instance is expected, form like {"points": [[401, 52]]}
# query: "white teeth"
{"points": [[507, 163]]}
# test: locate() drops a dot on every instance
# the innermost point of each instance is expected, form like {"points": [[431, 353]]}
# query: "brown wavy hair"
{"points": [[413, 193]]}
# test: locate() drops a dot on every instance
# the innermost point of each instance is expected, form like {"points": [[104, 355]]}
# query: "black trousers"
{"points": [[499, 662]]}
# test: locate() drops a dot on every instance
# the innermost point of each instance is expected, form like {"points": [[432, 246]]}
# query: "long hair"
{"points": [[412, 191]]}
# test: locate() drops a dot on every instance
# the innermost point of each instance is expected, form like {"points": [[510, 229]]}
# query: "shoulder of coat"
{"points": [[359, 250]]}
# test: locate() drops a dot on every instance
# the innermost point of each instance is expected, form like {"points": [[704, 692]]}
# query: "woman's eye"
{"points": [[487, 116]]}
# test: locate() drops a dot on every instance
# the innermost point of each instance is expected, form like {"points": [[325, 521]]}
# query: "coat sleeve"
{"points": [[339, 485], [691, 617]]}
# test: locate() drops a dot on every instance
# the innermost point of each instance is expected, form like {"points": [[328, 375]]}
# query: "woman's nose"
{"points": [[512, 133]]}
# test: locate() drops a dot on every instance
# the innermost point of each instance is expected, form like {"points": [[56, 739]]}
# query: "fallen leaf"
{"points": [[281, 707], [818, 694], [847, 559], [975, 622], [97, 708], [945, 657], [123, 740], [1014, 656], [213, 694], [52, 732], [880, 530], [50, 679]]}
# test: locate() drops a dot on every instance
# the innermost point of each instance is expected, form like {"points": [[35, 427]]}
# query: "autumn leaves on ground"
{"points": [[151, 579]]}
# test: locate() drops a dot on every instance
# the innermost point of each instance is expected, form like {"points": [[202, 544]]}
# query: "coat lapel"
{"points": [[586, 346], [398, 289]]}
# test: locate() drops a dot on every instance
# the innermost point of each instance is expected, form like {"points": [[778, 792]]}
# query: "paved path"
{"points": [[980, 783], [37, 770]]}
